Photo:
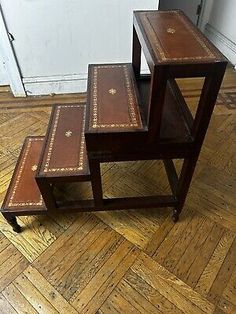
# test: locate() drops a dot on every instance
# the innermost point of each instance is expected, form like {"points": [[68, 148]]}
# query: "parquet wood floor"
{"points": [[125, 261]]}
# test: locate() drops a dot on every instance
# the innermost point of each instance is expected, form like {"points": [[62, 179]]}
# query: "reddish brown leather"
{"points": [[113, 102], [23, 192], [172, 38], [65, 150]]}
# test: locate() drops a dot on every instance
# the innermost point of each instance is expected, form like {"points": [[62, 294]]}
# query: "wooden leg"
{"points": [[13, 222], [47, 193], [96, 182], [175, 215], [183, 185]]}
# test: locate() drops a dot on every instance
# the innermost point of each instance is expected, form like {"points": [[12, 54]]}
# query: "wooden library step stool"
{"points": [[127, 117]]}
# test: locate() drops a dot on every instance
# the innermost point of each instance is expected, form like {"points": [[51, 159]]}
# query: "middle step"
{"points": [[64, 155]]}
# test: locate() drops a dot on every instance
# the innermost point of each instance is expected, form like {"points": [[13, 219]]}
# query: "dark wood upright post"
{"points": [[46, 190], [96, 182], [156, 101], [136, 54]]}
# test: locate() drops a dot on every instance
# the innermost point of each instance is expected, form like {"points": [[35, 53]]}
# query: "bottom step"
{"points": [[23, 195]]}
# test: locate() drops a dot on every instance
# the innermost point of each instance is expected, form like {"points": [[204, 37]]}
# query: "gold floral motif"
{"points": [[68, 133], [112, 91], [170, 30], [34, 167]]}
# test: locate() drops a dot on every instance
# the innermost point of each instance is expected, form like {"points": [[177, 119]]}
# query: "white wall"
{"points": [[3, 75], [188, 7], [205, 14], [221, 28], [54, 40]]}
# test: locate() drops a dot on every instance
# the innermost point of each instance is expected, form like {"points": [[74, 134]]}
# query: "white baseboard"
{"points": [[224, 44], [59, 84]]}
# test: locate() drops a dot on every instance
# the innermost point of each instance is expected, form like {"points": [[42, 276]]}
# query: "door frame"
{"points": [[10, 61], [204, 15]]}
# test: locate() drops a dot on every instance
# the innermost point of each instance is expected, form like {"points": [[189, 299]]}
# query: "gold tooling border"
{"points": [[18, 178], [82, 143], [131, 100]]}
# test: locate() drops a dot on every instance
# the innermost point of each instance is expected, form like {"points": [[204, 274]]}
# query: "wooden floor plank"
{"points": [[230, 290], [4, 243], [6, 254], [172, 237], [17, 301], [79, 276], [56, 263], [12, 263], [176, 291], [5, 306], [32, 242], [182, 243], [226, 306], [215, 194], [62, 241], [204, 254], [218, 311], [52, 296], [159, 236], [223, 275], [117, 304], [187, 259], [37, 300], [104, 281], [215, 263], [74, 263], [151, 294], [135, 298]]}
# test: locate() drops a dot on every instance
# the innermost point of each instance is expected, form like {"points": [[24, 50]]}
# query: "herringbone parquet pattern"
{"points": [[134, 261]]}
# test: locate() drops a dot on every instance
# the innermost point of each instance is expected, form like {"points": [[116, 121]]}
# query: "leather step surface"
{"points": [[112, 99], [23, 193], [172, 38], [64, 153]]}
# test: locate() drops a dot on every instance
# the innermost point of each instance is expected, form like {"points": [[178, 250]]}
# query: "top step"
{"points": [[64, 153], [113, 104], [170, 37]]}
